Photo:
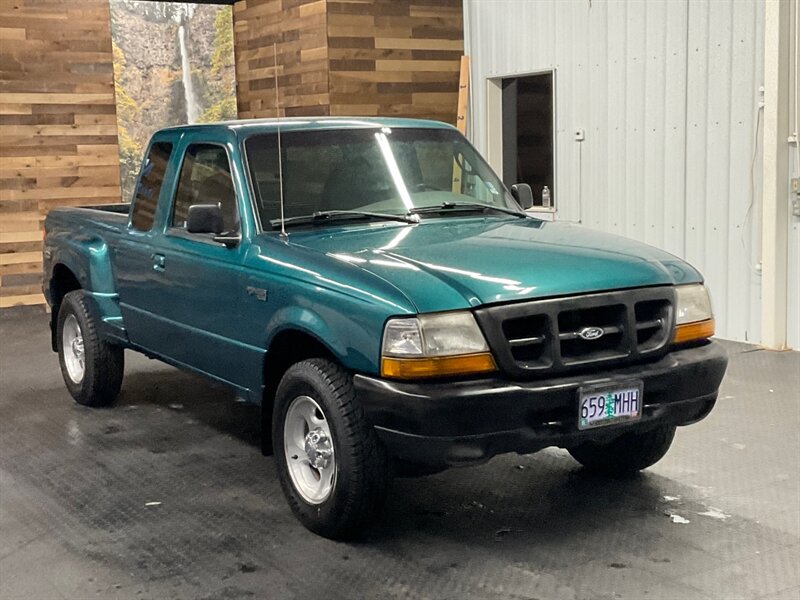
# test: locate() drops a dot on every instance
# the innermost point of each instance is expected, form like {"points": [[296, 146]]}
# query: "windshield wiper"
{"points": [[465, 206], [323, 216]]}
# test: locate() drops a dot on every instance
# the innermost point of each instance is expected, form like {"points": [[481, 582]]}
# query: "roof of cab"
{"points": [[246, 127]]}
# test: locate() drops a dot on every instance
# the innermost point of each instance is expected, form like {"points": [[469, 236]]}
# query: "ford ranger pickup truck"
{"points": [[385, 298]]}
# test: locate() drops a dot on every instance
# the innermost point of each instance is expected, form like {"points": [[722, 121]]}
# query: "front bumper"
{"points": [[462, 422]]}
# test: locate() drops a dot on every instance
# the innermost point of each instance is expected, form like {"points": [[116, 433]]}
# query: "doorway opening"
{"points": [[528, 139]]}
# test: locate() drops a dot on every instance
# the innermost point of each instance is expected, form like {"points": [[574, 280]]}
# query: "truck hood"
{"points": [[457, 262]]}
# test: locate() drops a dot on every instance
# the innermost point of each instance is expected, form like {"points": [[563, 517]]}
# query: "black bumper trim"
{"points": [[458, 422]]}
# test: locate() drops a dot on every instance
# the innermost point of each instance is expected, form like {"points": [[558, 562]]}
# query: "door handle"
{"points": [[159, 262]]}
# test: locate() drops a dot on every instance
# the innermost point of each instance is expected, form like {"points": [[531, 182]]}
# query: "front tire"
{"points": [[333, 469], [91, 367], [627, 454]]}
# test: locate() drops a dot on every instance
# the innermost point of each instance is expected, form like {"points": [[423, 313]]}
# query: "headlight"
{"points": [[435, 345], [694, 321]]}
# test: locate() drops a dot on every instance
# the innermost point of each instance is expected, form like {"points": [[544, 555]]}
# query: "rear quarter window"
{"points": [[148, 189]]}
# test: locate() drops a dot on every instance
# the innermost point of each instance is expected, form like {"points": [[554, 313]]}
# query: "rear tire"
{"points": [[333, 469], [92, 368], [627, 454]]}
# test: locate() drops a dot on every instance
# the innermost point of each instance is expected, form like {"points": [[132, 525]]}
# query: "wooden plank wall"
{"points": [[298, 27], [58, 136], [395, 58], [58, 127], [350, 57]]}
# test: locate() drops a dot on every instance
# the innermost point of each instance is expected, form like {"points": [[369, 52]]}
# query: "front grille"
{"points": [[565, 334]]}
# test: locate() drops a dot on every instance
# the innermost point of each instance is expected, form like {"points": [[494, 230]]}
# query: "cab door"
{"points": [[202, 285]]}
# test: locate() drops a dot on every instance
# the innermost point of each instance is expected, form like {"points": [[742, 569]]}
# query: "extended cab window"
{"points": [[205, 179], [149, 187]]}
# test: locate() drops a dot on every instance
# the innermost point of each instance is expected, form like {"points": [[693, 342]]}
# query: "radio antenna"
{"points": [[280, 152]]}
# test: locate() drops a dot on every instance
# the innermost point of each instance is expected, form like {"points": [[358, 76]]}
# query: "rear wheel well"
{"points": [[62, 282], [287, 348]]}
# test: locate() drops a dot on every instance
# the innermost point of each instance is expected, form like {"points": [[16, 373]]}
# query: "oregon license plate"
{"points": [[609, 404]]}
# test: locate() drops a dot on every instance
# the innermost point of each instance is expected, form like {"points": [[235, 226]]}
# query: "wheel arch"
{"points": [[62, 282], [83, 264], [287, 347]]}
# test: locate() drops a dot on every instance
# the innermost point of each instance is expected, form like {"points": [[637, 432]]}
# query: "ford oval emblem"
{"points": [[591, 333]]}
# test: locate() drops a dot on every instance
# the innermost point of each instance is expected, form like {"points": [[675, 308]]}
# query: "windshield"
{"points": [[383, 170]]}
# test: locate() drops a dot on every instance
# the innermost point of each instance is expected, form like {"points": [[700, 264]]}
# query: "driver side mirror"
{"points": [[523, 194], [204, 218], [207, 218]]}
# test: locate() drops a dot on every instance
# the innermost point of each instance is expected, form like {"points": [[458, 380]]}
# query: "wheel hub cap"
{"points": [[309, 450], [318, 448], [77, 347], [73, 350]]}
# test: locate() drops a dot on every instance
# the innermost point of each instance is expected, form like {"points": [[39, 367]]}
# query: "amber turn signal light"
{"points": [[699, 330], [439, 366]]}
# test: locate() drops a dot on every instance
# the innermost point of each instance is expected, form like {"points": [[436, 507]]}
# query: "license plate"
{"points": [[609, 404]]}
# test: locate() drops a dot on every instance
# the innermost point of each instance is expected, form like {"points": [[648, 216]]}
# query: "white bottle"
{"points": [[546, 197]]}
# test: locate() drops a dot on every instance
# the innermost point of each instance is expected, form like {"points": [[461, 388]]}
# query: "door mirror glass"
{"points": [[204, 218], [523, 194]]}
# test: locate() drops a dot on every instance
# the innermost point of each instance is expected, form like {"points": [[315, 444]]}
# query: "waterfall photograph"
{"points": [[173, 65]]}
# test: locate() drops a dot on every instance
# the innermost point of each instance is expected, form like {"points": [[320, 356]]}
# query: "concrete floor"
{"points": [[719, 517]]}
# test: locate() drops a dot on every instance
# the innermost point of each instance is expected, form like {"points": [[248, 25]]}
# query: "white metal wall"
{"points": [[793, 325], [668, 95]]}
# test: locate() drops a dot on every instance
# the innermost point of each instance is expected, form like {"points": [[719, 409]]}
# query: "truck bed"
{"points": [[102, 218], [123, 208]]}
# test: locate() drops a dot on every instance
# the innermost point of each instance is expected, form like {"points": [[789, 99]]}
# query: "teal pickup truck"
{"points": [[378, 291]]}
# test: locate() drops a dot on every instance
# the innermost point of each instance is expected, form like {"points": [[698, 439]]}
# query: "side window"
{"points": [[205, 179], [146, 198]]}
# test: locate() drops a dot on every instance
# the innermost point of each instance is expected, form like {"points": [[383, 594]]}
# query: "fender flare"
{"points": [[307, 321]]}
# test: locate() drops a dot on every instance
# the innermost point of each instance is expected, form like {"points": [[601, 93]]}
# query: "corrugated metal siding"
{"points": [[793, 325], [667, 93]]}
